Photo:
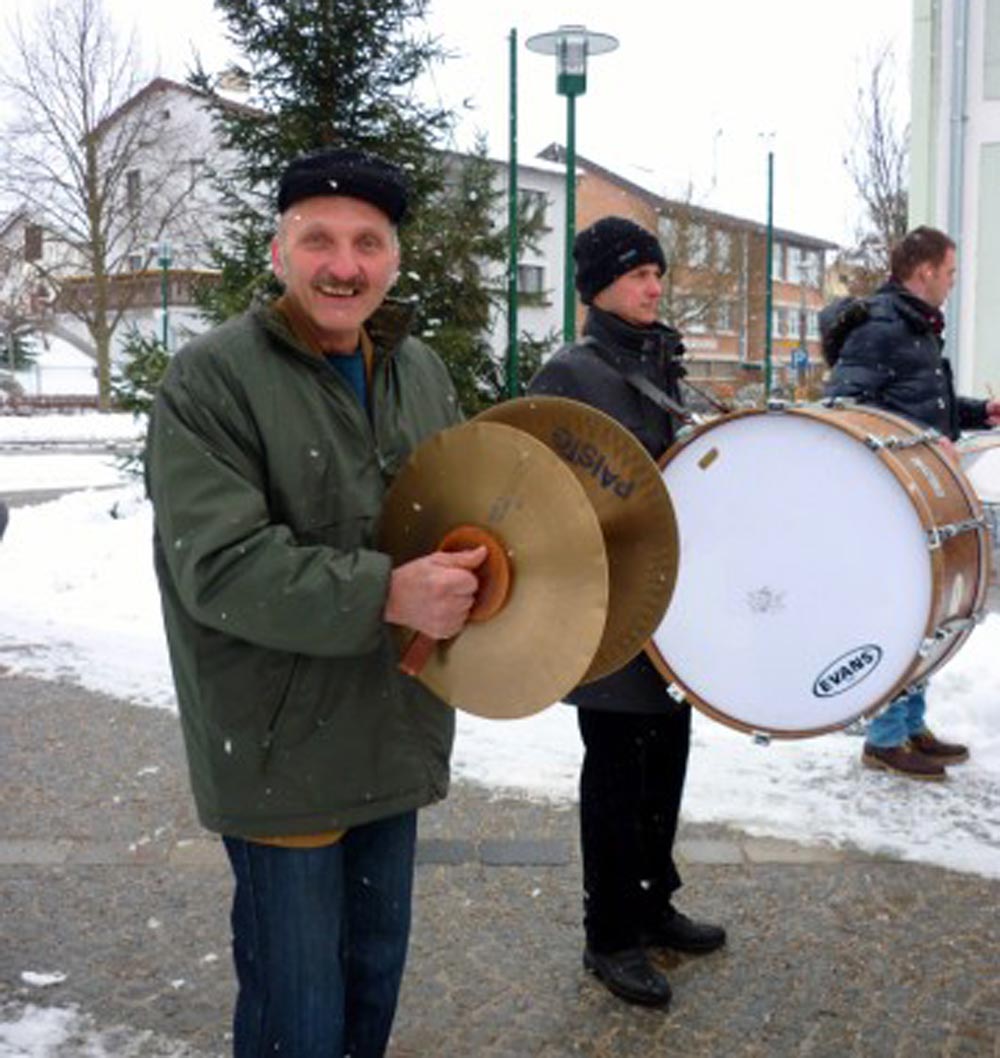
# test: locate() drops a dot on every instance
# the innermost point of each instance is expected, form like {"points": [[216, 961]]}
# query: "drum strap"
{"points": [[639, 382]]}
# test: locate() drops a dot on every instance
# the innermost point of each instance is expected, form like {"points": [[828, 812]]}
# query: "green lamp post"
{"points": [[571, 45], [163, 259]]}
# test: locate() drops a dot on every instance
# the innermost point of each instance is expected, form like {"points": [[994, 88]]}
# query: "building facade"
{"points": [[955, 170], [715, 288]]}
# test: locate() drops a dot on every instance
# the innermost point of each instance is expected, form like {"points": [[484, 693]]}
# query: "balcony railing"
{"points": [[134, 290]]}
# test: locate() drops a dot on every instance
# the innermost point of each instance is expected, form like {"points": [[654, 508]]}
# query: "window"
{"points": [[699, 246], [812, 324], [33, 242], [725, 317], [133, 190], [134, 262], [532, 203], [530, 279], [723, 250], [693, 315], [781, 323], [777, 261], [793, 263], [801, 266]]}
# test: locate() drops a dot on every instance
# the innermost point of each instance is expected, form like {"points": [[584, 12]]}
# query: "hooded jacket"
{"points": [[593, 372], [267, 478], [894, 360]]}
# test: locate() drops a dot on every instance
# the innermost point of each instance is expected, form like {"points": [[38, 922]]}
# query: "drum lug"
{"points": [[761, 738], [893, 442], [941, 533], [950, 628]]}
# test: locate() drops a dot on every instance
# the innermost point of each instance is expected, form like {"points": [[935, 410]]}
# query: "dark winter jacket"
{"points": [[893, 359], [592, 372], [267, 478]]}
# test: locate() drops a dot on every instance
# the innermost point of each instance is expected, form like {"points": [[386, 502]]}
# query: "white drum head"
{"points": [[805, 582], [980, 456]]}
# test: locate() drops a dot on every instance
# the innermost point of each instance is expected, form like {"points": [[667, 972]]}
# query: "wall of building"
{"points": [[955, 174], [735, 351], [542, 263]]}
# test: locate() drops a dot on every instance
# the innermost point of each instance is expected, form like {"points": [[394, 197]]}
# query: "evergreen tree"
{"points": [[143, 363], [18, 349], [340, 73]]}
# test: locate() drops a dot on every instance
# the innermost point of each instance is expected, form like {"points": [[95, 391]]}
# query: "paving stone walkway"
{"points": [[106, 877]]}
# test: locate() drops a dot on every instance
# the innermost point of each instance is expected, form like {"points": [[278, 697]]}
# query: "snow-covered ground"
{"points": [[79, 600]]}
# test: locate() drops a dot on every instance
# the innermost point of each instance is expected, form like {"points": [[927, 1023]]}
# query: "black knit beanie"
{"points": [[608, 249], [343, 171]]}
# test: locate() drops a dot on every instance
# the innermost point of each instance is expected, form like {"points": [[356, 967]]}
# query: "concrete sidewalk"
{"points": [[106, 877]]}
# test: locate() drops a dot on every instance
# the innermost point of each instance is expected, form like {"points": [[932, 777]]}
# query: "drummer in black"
{"points": [[636, 738]]}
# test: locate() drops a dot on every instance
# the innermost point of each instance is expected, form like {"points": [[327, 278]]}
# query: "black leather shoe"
{"points": [[676, 931], [630, 976]]}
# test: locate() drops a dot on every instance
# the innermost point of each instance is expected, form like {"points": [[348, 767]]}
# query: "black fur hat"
{"points": [[608, 249], [343, 171]]}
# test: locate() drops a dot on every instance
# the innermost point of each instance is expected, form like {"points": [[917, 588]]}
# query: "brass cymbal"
{"points": [[625, 487], [539, 645]]}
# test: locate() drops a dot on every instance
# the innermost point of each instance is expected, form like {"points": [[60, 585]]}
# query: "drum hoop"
{"points": [[678, 689]]}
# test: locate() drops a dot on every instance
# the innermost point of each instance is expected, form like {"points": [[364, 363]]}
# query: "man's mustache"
{"points": [[357, 282]]}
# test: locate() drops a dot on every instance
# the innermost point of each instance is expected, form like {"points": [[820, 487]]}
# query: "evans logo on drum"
{"points": [[847, 671]]}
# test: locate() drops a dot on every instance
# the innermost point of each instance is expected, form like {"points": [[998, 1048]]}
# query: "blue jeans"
{"points": [[898, 721], [319, 942]]}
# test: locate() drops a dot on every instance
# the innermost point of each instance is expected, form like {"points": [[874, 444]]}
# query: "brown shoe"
{"points": [[903, 760], [931, 746]]}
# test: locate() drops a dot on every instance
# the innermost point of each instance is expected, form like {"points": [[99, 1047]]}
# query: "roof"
{"points": [[165, 84], [555, 152], [12, 219]]}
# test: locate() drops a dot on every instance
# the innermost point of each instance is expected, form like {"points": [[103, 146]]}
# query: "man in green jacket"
{"points": [[271, 445]]}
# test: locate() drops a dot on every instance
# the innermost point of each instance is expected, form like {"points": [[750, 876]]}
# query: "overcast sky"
{"points": [[687, 97]]}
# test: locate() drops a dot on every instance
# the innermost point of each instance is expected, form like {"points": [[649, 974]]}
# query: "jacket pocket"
{"points": [[279, 712]]}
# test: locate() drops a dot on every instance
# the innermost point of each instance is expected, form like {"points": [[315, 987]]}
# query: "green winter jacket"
{"points": [[267, 478]]}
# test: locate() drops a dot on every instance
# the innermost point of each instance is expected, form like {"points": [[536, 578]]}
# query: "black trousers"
{"points": [[630, 797]]}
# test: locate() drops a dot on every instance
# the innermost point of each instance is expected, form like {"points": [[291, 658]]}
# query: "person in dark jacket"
{"points": [[271, 444], [636, 738], [892, 357]]}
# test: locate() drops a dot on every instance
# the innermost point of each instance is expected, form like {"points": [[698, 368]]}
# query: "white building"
{"points": [[955, 175], [541, 186], [183, 144], [156, 232]]}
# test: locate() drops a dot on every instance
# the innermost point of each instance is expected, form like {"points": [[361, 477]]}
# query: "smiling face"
{"points": [[337, 258], [634, 296]]}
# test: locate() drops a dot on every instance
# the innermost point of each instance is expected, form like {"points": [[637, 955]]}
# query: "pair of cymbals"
{"points": [[588, 529]]}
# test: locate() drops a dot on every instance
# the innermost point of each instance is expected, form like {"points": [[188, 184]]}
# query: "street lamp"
{"points": [[571, 45]]}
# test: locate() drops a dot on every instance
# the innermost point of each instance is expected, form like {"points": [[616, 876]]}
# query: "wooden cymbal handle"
{"points": [[417, 654], [494, 578]]}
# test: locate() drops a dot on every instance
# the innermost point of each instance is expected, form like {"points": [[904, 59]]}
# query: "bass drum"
{"points": [[830, 558], [980, 457]]}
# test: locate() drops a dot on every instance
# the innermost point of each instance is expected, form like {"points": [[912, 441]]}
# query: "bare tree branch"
{"points": [[878, 164], [82, 126]]}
